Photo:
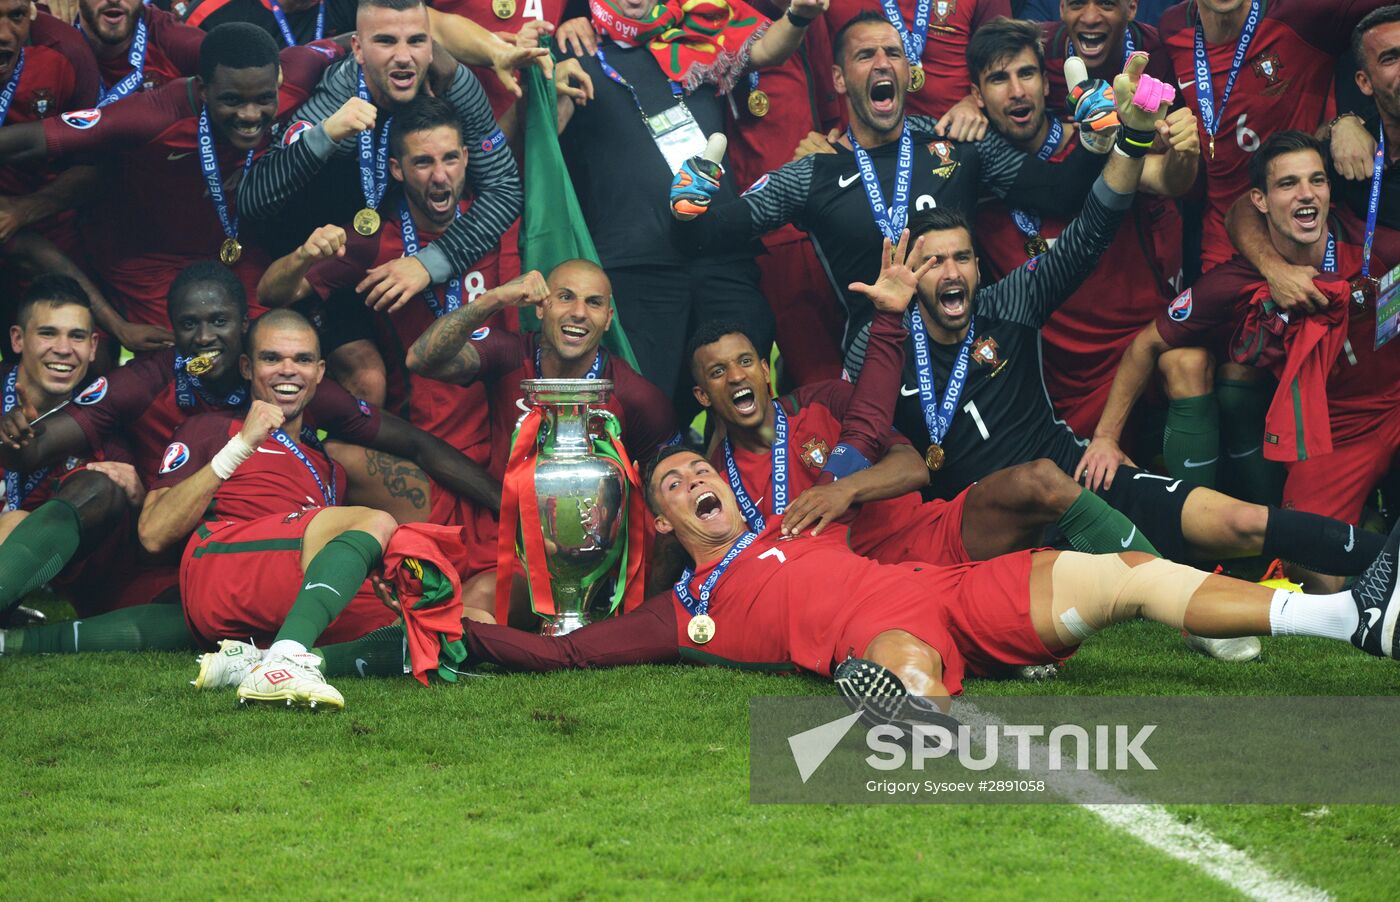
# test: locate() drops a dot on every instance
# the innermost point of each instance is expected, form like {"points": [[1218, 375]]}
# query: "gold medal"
{"points": [[916, 78], [758, 103], [200, 364], [367, 222], [230, 251], [701, 629], [1036, 245], [1211, 147], [934, 457], [503, 9]]}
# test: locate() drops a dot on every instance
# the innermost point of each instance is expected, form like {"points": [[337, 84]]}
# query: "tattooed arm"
{"points": [[444, 351]]}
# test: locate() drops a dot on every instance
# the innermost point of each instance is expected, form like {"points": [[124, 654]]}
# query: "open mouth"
{"points": [[1020, 113], [745, 400], [248, 131], [403, 79], [113, 15], [63, 370], [1091, 43], [440, 200], [953, 300], [707, 506], [1306, 217], [573, 334], [7, 60], [286, 390], [882, 95]]}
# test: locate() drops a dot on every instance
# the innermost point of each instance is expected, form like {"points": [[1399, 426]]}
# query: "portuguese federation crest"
{"points": [[815, 453]]}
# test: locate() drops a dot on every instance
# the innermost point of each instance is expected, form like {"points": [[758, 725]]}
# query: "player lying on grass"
{"points": [[809, 602], [145, 402]]}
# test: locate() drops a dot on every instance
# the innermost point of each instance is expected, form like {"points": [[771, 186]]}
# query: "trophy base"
{"points": [[563, 624]]}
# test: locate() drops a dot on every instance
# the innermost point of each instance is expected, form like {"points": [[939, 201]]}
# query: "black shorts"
{"points": [[1154, 504]]}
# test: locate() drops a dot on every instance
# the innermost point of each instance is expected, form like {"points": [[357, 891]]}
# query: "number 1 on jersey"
{"points": [[971, 408]]}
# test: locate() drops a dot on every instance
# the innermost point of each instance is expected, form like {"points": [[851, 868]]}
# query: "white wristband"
{"points": [[230, 456]]}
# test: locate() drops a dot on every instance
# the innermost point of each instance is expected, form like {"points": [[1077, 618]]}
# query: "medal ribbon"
{"points": [[595, 371], [1026, 221], [1373, 204], [892, 219], [914, 38], [374, 160], [281, 18], [938, 417], [136, 58], [752, 515], [682, 587], [209, 163], [8, 95], [14, 492], [187, 387], [1205, 87], [285, 440], [1128, 46], [453, 292], [1329, 256]]}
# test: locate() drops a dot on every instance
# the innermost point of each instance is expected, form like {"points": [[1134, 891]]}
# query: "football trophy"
{"points": [[569, 482]]}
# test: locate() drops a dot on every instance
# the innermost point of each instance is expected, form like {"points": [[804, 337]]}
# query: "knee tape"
{"points": [[1092, 591]]}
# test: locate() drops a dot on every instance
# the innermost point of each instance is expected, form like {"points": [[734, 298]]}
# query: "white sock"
{"points": [[1325, 616], [286, 648]]}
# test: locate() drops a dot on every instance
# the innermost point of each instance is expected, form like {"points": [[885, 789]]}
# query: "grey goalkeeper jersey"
{"points": [[307, 166]]}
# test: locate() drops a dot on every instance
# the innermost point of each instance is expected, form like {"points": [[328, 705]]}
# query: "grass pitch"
{"points": [[122, 780]]}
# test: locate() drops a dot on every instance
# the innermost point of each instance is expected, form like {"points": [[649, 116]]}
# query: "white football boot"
{"points": [[226, 668], [291, 680]]}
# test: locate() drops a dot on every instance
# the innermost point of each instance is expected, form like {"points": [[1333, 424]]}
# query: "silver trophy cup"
{"points": [[581, 497]]}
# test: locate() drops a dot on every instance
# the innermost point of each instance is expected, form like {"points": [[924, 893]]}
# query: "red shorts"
{"points": [[990, 617], [238, 581], [478, 530], [808, 315], [1336, 484], [933, 534]]}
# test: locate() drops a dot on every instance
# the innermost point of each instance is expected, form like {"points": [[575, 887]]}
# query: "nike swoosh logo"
{"points": [[1188, 462], [1129, 539], [847, 181], [360, 666], [269, 451], [1351, 539], [1183, 85], [908, 392], [180, 156], [1372, 615], [1234, 456], [309, 586]]}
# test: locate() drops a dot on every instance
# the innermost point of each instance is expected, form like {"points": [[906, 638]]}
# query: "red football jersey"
{"points": [[950, 27], [814, 427], [1084, 340], [273, 481], [1285, 82], [162, 220], [172, 52], [140, 400], [486, 13], [809, 601], [454, 413], [647, 418], [48, 31]]}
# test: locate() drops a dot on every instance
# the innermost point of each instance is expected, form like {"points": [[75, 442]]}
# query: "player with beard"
{"points": [[1087, 335], [460, 349], [258, 500], [428, 162], [138, 47], [805, 602], [1362, 384], [158, 221], [334, 158], [826, 194], [782, 454], [997, 414], [147, 400]]}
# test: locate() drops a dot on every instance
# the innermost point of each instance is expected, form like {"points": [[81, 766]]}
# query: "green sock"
{"points": [[379, 653], [1095, 528], [1243, 406], [37, 550], [1191, 440], [146, 627], [332, 579]]}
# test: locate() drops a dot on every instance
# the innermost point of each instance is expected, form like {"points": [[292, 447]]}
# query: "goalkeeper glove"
{"points": [[1091, 105], [694, 187]]}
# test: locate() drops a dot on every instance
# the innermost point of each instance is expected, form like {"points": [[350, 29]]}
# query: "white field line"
{"points": [[1150, 824]]}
